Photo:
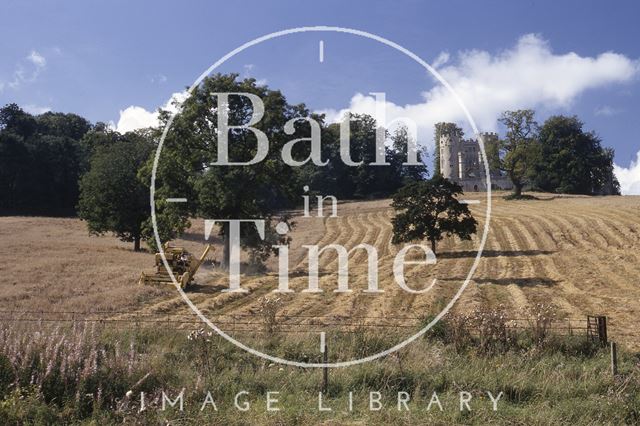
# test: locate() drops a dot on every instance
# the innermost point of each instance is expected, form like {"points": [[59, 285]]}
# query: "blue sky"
{"points": [[103, 60]]}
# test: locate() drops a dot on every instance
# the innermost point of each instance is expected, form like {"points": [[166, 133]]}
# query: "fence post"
{"points": [[614, 359], [325, 369]]}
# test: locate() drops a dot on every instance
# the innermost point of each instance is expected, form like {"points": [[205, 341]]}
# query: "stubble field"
{"points": [[579, 253]]}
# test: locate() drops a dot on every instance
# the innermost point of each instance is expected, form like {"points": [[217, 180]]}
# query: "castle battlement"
{"points": [[461, 161]]}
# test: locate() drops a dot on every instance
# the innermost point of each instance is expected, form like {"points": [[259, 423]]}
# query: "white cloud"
{"points": [[158, 78], [248, 69], [36, 109], [37, 59], [606, 111], [26, 71], [629, 177], [136, 117], [528, 75], [441, 59]]}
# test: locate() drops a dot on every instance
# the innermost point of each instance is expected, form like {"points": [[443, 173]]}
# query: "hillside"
{"points": [[579, 253]]}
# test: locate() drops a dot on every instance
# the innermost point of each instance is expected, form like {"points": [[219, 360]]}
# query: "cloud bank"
{"points": [[527, 75], [629, 177]]}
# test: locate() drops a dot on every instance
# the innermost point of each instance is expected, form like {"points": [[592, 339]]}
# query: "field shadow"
{"points": [[206, 288], [520, 282], [493, 253]]}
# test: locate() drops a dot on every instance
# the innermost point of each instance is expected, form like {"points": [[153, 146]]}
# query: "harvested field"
{"points": [[53, 264], [580, 253]]}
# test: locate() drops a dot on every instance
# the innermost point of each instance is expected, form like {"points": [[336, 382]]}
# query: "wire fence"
{"points": [[255, 322]]}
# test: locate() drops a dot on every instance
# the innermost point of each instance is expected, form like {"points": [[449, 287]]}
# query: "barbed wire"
{"points": [[285, 323], [253, 315]]}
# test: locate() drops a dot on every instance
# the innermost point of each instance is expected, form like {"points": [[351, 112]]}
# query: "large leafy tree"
{"points": [[429, 210], [573, 161], [256, 191], [520, 148], [112, 197]]}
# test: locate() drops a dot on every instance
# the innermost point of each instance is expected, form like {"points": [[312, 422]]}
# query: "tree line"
{"points": [[558, 156], [41, 159], [57, 164], [61, 164]]}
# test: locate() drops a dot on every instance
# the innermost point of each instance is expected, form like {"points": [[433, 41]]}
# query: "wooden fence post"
{"points": [[614, 359]]}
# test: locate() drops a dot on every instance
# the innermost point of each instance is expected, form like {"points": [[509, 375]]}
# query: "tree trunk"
{"points": [[517, 185], [433, 246], [517, 189], [136, 243]]}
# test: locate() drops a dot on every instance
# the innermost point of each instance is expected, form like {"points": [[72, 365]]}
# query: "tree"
{"points": [[112, 198], [610, 184], [41, 161], [520, 147], [492, 151], [365, 180], [440, 130], [573, 161], [15, 162], [64, 125], [256, 191], [13, 119], [400, 144], [430, 210]]}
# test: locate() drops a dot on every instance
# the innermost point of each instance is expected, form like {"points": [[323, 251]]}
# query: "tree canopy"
{"points": [[429, 210], [233, 191], [558, 156], [41, 159], [520, 146], [112, 197], [572, 160]]}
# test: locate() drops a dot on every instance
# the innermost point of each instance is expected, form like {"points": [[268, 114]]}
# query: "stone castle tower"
{"points": [[461, 161]]}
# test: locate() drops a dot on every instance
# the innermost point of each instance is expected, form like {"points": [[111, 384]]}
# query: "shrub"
{"points": [[457, 331], [487, 328], [540, 317], [268, 310]]}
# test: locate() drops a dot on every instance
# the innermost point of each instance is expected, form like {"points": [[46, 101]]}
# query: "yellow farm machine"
{"points": [[183, 265]]}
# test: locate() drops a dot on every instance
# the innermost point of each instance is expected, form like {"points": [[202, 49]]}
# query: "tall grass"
{"points": [[84, 374]]}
